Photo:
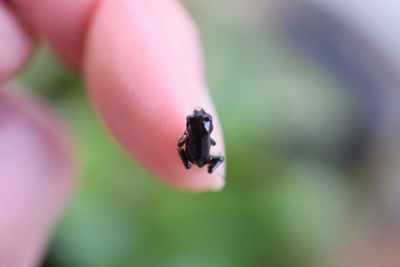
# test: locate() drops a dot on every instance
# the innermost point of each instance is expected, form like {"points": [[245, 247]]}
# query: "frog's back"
{"points": [[198, 128], [198, 150]]}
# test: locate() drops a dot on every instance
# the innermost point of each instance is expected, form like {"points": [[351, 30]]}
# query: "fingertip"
{"points": [[197, 179], [219, 180]]}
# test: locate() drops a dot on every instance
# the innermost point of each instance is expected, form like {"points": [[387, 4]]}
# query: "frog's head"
{"points": [[199, 120]]}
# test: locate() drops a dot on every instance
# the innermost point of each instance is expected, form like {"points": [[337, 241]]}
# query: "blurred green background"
{"points": [[288, 196]]}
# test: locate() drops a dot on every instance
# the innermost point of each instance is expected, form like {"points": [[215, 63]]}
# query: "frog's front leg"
{"points": [[212, 142], [184, 158], [215, 161], [182, 152], [182, 140]]}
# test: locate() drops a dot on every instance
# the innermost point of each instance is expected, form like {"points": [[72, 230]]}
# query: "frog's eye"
{"points": [[207, 119]]}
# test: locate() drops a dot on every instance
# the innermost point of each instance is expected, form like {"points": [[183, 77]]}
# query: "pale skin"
{"points": [[142, 65]]}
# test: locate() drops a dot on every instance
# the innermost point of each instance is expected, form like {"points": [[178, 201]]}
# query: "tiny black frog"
{"points": [[194, 145]]}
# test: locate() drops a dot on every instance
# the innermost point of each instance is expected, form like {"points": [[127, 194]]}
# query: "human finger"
{"points": [[15, 43], [35, 178], [143, 68]]}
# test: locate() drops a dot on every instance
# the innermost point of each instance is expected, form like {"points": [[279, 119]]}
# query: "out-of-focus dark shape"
{"points": [[345, 52], [359, 41]]}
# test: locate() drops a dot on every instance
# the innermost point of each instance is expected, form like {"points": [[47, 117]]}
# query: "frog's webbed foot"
{"points": [[215, 161], [184, 158]]}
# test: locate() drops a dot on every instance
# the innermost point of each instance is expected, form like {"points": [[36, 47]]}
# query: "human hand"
{"points": [[143, 69]]}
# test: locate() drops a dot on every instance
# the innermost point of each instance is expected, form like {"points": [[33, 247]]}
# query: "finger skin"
{"points": [[35, 179], [144, 73], [15, 44], [62, 23]]}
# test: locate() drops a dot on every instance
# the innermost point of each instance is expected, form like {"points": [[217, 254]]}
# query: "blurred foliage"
{"points": [[283, 205]]}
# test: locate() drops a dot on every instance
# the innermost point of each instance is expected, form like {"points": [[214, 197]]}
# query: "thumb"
{"points": [[35, 179]]}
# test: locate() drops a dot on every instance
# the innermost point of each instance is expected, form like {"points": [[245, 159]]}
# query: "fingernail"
{"points": [[218, 185]]}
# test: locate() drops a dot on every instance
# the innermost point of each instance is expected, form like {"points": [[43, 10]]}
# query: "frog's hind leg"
{"points": [[215, 161], [184, 158]]}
